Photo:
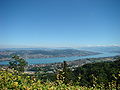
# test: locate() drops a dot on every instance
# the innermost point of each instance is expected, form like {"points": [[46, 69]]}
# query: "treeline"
{"points": [[102, 75]]}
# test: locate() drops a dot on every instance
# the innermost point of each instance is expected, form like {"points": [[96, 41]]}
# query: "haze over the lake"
{"points": [[59, 23]]}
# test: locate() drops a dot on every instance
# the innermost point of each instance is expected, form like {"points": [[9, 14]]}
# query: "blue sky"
{"points": [[59, 23]]}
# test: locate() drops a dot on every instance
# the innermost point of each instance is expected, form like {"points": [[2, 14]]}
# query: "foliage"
{"points": [[92, 76], [18, 63], [65, 74], [101, 75], [12, 80]]}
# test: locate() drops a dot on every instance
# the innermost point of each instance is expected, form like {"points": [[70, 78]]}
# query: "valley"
{"points": [[31, 54]]}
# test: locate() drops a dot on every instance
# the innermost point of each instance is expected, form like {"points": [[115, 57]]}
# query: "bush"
{"points": [[11, 79]]}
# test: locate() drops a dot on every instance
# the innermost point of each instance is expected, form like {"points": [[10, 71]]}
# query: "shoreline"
{"points": [[53, 57], [84, 60]]}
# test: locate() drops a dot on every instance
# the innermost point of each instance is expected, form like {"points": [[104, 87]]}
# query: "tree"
{"points": [[117, 74], [65, 74], [18, 63]]}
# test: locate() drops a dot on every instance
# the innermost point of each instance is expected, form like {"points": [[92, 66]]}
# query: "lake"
{"points": [[61, 59]]}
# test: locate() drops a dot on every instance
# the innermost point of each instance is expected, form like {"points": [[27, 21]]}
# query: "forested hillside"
{"points": [[102, 75]]}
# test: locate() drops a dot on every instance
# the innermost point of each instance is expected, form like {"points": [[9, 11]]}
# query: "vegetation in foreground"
{"points": [[11, 79], [101, 76]]}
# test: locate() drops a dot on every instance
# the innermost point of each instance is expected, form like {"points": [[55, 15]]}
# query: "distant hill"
{"points": [[43, 53], [102, 49]]}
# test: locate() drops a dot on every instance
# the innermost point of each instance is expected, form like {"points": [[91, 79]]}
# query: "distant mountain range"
{"points": [[102, 49], [6, 54]]}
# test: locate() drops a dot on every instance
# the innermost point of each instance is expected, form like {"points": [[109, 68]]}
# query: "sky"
{"points": [[59, 23]]}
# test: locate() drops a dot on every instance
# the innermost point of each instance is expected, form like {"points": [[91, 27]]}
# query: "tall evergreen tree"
{"points": [[18, 63]]}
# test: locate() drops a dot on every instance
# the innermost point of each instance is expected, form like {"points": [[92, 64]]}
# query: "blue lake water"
{"points": [[61, 59]]}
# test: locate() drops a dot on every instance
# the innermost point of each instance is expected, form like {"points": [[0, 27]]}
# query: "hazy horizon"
{"points": [[3, 47]]}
